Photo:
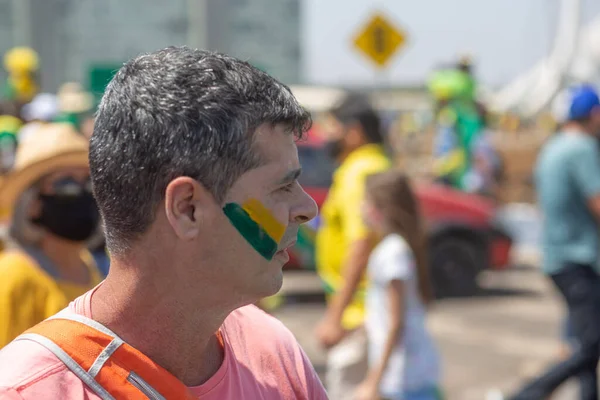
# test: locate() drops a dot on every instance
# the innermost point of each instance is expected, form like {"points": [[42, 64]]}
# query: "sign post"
{"points": [[379, 40]]}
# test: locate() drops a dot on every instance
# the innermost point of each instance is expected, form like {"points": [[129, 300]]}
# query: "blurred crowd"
{"points": [[53, 246], [374, 329], [23, 108]]}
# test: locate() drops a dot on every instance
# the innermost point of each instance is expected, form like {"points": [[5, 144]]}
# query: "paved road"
{"points": [[495, 340]]}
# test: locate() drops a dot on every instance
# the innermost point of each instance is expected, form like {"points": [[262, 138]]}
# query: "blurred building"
{"points": [[265, 32], [74, 37]]}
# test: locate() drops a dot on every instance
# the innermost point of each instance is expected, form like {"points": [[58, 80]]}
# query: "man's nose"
{"points": [[305, 210]]}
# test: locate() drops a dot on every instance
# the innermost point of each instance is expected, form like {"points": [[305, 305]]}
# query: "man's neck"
{"points": [[350, 151], [575, 128], [150, 313], [66, 258]]}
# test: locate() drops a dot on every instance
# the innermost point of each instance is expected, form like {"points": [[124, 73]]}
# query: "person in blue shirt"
{"points": [[567, 177]]}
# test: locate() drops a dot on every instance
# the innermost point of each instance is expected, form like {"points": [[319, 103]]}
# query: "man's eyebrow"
{"points": [[291, 176]]}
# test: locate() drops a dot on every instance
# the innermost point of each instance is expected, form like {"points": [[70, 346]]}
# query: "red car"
{"points": [[464, 236]]}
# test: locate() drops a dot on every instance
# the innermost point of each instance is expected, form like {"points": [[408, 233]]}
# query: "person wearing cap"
{"points": [[195, 171], [47, 199], [567, 178]]}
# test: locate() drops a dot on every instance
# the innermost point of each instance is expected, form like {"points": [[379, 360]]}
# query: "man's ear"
{"points": [[185, 203]]}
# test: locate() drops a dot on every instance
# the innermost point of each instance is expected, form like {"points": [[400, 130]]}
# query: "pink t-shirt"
{"points": [[262, 360]]}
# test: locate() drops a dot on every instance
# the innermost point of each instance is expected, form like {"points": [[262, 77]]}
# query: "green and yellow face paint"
{"points": [[257, 225]]}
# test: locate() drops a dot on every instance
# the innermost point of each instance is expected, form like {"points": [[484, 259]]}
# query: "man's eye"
{"points": [[289, 187]]}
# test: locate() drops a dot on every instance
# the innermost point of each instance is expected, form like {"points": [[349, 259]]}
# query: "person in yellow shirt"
{"points": [[48, 202], [343, 243]]}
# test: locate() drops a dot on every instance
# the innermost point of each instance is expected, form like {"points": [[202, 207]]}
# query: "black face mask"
{"points": [[73, 218], [334, 148]]}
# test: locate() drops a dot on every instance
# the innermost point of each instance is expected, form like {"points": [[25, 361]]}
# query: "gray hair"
{"points": [[179, 112]]}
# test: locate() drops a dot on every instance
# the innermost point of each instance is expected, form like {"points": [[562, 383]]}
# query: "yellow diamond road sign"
{"points": [[380, 40]]}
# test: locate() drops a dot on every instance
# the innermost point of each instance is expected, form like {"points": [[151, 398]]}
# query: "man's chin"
{"points": [[274, 284], [282, 257], [265, 284]]}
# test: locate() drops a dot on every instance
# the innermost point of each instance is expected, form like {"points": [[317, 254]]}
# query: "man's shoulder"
{"points": [[23, 362], [354, 171], [562, 151], [15, 259], [30, 371], [372, 158], [18, 268], [393, 244], [266, 347], [570, 144]]}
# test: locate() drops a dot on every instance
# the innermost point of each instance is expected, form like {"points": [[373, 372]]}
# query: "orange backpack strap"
{"points": [[110, 367]]}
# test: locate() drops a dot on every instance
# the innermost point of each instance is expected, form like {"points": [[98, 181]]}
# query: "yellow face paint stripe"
{"points": [[263, 217]]}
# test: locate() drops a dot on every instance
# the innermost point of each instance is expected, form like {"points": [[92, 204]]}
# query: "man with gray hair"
{"points": [[194, 167]]}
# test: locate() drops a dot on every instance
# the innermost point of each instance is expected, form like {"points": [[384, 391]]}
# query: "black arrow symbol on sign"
{"points": [[379, 39]]}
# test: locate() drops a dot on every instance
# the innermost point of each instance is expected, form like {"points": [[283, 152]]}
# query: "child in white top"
{"points": [[403, 360]]}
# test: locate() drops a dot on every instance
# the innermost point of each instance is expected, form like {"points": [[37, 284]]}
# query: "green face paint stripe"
{"points": [[263, 217], [251, 231]]}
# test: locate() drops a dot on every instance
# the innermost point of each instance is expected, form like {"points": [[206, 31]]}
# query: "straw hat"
{"points": [[51, 147], [73, 99]]}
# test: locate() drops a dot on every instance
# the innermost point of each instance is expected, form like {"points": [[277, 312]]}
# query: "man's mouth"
{"points": [[287, 247]]}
